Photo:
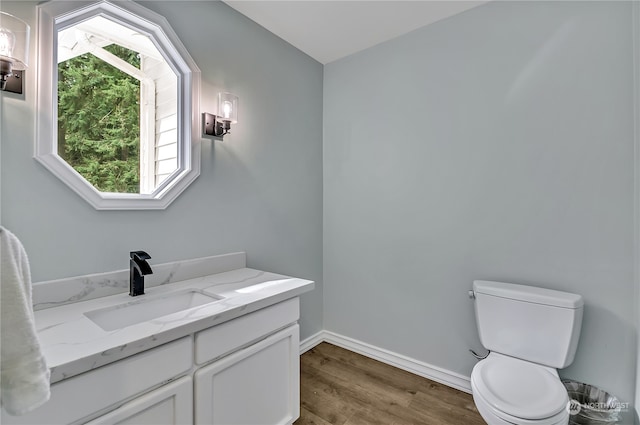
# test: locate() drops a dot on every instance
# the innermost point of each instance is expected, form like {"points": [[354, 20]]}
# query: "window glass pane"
{"points": [[117, 106]]}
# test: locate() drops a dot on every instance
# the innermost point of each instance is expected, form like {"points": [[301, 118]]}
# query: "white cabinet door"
{"points": [[171, 404], [259, 385]]}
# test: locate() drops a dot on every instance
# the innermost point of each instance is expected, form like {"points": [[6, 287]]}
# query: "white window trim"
{"points": [[55, 15]]}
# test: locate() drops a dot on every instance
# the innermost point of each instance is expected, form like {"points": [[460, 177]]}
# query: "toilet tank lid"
{"points": [[530, 294]]}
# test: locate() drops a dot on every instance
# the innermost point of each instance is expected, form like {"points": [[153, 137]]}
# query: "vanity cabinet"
{"points": [[256, 385], [243, 371], [251, 369]]}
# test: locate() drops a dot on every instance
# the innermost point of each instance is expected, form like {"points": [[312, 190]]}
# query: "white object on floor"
{"points": [[24, 376]]}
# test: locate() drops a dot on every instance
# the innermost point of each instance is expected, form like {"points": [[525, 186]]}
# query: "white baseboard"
{"points": [[435, 373], [310, 342]]}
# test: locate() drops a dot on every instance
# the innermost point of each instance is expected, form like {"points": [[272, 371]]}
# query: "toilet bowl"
{"points": [[530, 333], [511, 391]]}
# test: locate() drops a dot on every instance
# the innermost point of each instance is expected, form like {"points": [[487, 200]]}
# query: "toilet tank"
{"points": [[534, 324]]}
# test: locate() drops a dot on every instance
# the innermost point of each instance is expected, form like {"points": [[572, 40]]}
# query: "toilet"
{"points": [[530, 333]]}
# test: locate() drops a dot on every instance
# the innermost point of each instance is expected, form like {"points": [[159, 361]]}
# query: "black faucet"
{"points": [[138, 267]]}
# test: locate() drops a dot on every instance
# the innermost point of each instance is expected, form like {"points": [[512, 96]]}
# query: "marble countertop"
{"points": [[73, 344]]}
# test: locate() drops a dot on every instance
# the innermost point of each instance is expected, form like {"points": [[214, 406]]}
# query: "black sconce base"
{"points": [[13, 83], [213, 127]]}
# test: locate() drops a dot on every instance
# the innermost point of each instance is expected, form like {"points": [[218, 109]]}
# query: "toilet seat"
{"points": [[494, 417], [518, 391]]}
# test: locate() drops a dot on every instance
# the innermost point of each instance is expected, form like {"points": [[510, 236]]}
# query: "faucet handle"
{"points": [[139, 255]]}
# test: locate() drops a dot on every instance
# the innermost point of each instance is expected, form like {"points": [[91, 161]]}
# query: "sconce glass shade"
{"points": [[228, 107], [14, 41]]}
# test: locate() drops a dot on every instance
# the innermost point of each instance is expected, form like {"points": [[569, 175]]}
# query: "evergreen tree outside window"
{"points": [[99, 120]]}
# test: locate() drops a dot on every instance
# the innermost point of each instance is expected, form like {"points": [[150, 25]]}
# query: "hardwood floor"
{"points": [[340, 387]]}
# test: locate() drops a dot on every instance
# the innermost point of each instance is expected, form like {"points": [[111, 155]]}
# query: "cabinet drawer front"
{"points": [[171, 404], [94, 391], [223, 339], [257, 385]]}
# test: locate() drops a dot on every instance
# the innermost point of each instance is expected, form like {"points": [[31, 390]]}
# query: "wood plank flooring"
{"points": [[341, 387]]}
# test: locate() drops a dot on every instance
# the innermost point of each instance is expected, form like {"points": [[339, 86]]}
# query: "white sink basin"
{"points": [[148, 308]]}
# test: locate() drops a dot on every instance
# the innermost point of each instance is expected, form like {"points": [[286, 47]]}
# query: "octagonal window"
{"points": [[124, 91]]}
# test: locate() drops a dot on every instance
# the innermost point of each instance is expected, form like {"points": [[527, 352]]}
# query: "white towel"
{"points": [[24, 380]]}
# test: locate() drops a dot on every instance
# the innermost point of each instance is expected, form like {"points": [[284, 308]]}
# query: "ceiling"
{"points": [[328, 30]]}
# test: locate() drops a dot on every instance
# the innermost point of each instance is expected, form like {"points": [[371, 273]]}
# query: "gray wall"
{"points": [[636, 23], [259, 191], [637, 400], [496, 144]]}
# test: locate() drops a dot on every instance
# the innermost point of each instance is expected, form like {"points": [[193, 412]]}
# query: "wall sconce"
{"points": [[219, 125], [14, 52]]}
